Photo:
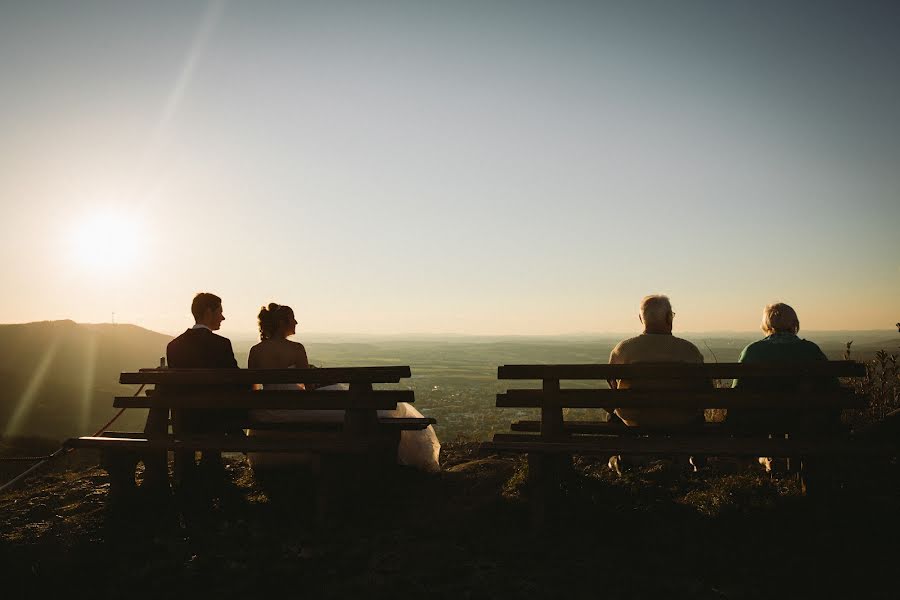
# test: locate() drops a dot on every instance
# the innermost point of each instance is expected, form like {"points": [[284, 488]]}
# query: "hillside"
{"points": [[60, 376]]}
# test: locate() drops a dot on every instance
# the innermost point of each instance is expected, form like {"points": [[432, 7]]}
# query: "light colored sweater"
{"points": [[656, 348]]}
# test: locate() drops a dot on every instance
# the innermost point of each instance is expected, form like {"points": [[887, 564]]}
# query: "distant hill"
{"points": [[59, 377]]}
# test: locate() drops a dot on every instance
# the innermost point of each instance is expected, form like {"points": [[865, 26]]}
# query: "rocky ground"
{"points": [[657, 531]]}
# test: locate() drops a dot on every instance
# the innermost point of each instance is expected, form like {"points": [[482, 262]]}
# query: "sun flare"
{"points": [[107, 241]]}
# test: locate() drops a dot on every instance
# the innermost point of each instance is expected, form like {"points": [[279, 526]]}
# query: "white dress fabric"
{"points": [[419, 449]]}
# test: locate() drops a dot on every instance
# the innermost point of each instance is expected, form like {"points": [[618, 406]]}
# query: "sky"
{"points": [[466, 167]]}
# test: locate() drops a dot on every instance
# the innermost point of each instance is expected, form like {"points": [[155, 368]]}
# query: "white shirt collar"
{"points": [[200, 326]]}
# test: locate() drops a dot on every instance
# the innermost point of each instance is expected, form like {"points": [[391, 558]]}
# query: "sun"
{"points": [[107, 241]]}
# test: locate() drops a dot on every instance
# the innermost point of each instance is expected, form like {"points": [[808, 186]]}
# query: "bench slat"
{"points": [[691, 445], [389, 423], [401, 423], [715, 398], [845, 368], [330, 443], [614, 427], [172, 376], [273, 399]]}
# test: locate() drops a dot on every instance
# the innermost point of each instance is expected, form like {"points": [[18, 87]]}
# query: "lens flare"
{"points": [[34, 386]]}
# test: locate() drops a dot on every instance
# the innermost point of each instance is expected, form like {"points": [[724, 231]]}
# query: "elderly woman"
{"points": [[781, 344]]}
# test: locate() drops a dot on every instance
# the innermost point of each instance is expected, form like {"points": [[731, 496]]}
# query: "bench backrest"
{"points": [[350, 375], [551, 398], [230, 388], [829, 368]]}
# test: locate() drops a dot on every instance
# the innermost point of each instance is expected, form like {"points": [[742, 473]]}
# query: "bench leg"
{"points": [[325, 481], [184, 465], [120, 465], [156, 470], [537, 490], [546, 472], [814, 481], [156, 467]]}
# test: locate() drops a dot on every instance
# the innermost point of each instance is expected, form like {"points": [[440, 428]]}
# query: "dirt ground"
{"points": [[657, 531]]}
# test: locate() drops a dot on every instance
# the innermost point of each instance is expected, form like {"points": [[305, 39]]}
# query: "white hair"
{"points": [[655, 309], [779, 317]]}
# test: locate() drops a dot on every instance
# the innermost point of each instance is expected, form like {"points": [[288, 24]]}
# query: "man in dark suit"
{"points": [[200, 348]]}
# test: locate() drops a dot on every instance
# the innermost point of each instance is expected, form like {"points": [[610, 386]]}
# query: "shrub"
{"points": [[882, 386]]}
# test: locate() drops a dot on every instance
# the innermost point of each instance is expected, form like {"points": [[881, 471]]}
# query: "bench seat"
{"points": [[810, 398], [311, 442]]}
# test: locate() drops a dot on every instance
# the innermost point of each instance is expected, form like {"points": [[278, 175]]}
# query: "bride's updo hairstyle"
{"points": [[272, 317]]}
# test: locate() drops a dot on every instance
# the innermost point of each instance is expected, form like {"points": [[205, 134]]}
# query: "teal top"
{"points": [[784, 348], [778, 347]]}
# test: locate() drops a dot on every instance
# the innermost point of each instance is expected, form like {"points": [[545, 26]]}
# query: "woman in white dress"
{"points": [[419, 449]]}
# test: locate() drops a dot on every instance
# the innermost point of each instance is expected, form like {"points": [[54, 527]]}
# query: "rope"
{"points": [[46, 459]]}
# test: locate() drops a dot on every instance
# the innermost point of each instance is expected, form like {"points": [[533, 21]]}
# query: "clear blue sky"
{"points": [[471, 167]]}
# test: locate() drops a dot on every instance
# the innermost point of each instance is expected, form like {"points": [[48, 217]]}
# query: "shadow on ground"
{"points": [[657, 531]]}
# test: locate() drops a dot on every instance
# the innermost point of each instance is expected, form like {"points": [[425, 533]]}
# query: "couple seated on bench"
{"points": [[199, 347], [657, 344]]}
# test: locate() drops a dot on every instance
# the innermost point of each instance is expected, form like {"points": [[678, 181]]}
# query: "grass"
{"points": [[658, 531]]}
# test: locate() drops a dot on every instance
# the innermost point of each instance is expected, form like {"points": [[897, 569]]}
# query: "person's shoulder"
{"points": [[683, 342], [221, 339], [628, 342], [812, 348], [689, 348], [620, 349], [808, 343], [756, 349], [177, 340]]}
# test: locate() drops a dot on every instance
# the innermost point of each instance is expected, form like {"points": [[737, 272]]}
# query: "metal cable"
{"points": [[46, 459]]}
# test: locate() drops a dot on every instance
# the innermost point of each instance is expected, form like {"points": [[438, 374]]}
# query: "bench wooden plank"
{"points": [[692, 445], [325, 443], [712, 398], [405, 424], [388, 423], [846, 368], [273, 399], [170, 376], [615, 427]]}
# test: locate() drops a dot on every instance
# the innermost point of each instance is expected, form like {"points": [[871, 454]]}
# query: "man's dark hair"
{"points": [[203, 302]]}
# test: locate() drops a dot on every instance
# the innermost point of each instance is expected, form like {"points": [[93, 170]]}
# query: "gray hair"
{"points": [[779, 318], [655, 309]]}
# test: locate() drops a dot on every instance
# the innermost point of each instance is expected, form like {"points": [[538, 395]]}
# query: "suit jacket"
{"points": [[202, 349]]}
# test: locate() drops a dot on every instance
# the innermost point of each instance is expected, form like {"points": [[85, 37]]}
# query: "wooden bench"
{"points": [[551, 441], [362, 433]]}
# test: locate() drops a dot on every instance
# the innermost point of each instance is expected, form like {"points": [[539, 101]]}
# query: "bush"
{"points": [[881, 385]]}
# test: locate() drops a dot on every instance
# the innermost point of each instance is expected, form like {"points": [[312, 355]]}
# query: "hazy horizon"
{"points": [[342, 336], [61, 376], [514, 168]]}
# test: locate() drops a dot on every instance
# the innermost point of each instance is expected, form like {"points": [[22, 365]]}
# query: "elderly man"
{"points": [[657, 344]]}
